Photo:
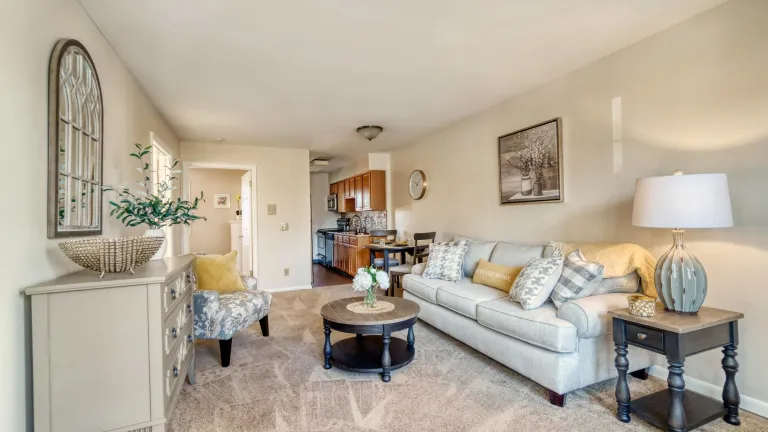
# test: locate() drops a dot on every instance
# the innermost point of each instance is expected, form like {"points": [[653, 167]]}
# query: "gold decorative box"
{"points": [[641, 305]]}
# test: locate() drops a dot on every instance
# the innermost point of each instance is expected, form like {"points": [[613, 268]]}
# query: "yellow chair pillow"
{"points": [[218, 273], [496, 276]]}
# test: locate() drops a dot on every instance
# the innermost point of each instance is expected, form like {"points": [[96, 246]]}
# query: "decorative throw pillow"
{"points": [[536, 281], [218, 273], [496, 276], [446, 260], [580, 278]]}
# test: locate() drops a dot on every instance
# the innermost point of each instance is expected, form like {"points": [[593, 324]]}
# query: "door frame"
{"points": [[185, 190]]}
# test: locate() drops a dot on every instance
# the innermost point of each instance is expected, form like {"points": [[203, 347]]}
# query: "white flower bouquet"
{"points": [[368, 279]]}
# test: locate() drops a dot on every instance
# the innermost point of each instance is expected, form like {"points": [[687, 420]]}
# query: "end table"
{"points": [[678, 336]]}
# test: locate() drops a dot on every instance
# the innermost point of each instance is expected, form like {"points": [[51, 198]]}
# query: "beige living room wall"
{"points": [[28, 31], [282, 179], [695, 97], [213, 235]]}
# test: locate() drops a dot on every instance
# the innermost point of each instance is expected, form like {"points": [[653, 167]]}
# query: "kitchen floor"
{"points": [[327, 277]]}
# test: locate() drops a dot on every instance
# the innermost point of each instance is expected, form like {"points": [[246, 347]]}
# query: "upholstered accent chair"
{"points": [[220, 316]]}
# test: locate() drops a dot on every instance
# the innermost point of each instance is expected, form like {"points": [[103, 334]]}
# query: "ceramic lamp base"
{"points": [[680, 278]]}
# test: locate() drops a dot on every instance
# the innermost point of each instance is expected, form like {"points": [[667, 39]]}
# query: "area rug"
{"points": [[278, 383]]}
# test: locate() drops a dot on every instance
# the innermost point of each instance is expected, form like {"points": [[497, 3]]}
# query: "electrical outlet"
{"points": [[285, 271], [283, 226]]}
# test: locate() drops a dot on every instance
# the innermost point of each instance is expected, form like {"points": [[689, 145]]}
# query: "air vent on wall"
{"points": [[317, 164]]}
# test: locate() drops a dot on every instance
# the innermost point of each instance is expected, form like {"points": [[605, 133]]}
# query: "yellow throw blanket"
{"points": [[619, 259]]}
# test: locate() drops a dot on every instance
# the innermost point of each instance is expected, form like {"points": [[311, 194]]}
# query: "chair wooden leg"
{"points": [[225, 346], [556, 399], [640, 374], [264, 323]]}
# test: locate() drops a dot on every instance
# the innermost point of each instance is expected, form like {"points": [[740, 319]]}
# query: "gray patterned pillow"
{"points": [[446, 260], [580, 278], [536, 281]]}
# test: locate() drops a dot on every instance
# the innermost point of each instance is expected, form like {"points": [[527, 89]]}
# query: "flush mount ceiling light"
{"points": [[370, 132]]}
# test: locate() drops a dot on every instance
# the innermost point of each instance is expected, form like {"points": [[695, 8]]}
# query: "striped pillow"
{"points": [[579, 279]]}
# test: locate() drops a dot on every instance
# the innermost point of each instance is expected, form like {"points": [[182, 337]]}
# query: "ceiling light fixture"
{"points": [[370, 132]]}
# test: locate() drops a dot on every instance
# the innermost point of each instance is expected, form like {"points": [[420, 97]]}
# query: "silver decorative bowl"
{"points": [[111, 255]]}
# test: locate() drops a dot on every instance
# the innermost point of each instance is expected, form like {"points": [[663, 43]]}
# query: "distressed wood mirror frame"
{"points": [[75, 142]]}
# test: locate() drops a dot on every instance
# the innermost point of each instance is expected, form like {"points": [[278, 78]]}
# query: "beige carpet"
{"points": [[278, 384]]}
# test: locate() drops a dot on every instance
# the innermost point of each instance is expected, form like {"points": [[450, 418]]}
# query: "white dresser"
{"points": [[110, 354]]}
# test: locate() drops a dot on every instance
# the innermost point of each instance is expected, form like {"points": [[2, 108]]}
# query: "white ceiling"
{"points": [[306, 73]]}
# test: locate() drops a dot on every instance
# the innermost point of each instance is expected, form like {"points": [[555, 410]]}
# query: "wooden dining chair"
{"points": [[385, 235], [420, 253]]}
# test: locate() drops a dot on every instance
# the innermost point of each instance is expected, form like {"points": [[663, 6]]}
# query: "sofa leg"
{"points": [[641, 374], [556, 399], [225, 346], [264, 323]]}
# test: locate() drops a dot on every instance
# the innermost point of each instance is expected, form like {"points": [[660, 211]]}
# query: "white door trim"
{"points": [[253, 169]]}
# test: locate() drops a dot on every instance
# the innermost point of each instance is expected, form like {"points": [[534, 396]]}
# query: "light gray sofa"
{"points": [[563, 350]]}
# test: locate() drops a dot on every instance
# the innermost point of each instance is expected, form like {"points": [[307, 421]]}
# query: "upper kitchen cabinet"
{"points": [[363, 192]]}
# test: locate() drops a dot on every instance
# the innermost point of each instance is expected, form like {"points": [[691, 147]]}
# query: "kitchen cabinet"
{"points": [[363, 192], [334, 189], [349, 253]]}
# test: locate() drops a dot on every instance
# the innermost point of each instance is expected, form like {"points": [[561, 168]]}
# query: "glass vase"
{"points": [[370, 298]]}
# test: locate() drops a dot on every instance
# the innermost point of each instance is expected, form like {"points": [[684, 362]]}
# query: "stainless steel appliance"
{"points": [[329, 249], [333, 203]]}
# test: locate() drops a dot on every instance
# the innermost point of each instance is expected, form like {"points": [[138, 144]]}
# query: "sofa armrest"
{"points": [[418, 269], [590, 314]]}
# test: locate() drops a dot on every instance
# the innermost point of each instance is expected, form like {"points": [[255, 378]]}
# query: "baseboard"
{"points": [[747, 403], [294, 288]]}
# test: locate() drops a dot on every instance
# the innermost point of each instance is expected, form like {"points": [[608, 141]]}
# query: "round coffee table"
{"points": [[373, 349]]}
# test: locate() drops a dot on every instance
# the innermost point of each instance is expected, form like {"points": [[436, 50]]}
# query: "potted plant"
{"points": [[368, 279], [153, 208]]}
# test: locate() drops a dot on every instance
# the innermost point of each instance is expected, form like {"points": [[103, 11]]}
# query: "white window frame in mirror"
{"points": [[76, 131]]}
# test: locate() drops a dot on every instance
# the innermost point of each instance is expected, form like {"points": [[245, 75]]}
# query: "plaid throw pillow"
{"points": [[578, 280], [446, 260]]}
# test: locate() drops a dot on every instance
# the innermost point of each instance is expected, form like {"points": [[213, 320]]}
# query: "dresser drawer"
{"points": [[171, 294], [173, 375], [353, 240], [174, 326], [646, 337]]}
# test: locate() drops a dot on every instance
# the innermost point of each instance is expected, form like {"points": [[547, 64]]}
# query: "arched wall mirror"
{"points": [[75, 142]]}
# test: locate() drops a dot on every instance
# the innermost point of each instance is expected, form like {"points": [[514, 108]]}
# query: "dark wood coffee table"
{"points": [[373, 350]]}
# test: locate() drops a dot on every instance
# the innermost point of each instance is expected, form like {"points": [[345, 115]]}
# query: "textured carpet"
{"points": [[278, 384]]}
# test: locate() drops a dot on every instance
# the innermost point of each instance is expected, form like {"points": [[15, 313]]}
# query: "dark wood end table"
{"points": [[678, 336], [373, 350]]}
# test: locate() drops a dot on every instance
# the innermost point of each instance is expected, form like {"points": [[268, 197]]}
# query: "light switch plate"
{"points": [[271, 209], [283, 226]]}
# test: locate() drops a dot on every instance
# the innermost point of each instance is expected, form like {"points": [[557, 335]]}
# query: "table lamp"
{"points": [[682, 201]]}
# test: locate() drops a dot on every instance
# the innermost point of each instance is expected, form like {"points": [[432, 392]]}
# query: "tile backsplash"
{"points": [[370, 219]]}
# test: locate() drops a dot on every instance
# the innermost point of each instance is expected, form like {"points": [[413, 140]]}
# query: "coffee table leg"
{"points": [[411, 337], [327, 347], [386, 360]]}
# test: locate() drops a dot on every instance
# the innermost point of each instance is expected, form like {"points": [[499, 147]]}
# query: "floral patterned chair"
{"points": [[220, 316]]}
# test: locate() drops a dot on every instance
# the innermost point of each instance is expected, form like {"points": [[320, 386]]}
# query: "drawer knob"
{"points": [[642, 336], [174, 333], [173, 293], [175, 372], [190, 339], [189, 308]]}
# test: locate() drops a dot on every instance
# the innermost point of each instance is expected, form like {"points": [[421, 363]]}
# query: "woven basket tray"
{"points": [[111, 255]]}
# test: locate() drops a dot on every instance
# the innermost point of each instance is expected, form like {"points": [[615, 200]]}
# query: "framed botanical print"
{"points": [[530, 164], [221, 201]]}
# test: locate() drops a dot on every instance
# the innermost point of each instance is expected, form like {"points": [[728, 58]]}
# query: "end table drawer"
{"points": [[645, 336]]}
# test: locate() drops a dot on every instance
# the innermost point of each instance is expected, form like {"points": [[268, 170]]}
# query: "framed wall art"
{"points": [[530, 164], [222, 201]]}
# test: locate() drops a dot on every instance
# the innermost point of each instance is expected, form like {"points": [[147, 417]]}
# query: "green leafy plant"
{"points": [[145, 207]]}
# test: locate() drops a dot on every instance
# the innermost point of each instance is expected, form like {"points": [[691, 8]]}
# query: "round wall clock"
{"points": [[417, 186]]}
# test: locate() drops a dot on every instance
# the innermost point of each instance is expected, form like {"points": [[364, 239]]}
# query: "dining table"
{"points": [[388, 248]]}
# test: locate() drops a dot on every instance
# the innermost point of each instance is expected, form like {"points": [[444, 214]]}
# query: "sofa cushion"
{"points": [[464, 296], [422, 287], [477, 250], [590, 314], [540, 327], [510, 254]]}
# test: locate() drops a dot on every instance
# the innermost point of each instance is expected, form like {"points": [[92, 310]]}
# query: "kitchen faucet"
{"points": [[359, 223]]}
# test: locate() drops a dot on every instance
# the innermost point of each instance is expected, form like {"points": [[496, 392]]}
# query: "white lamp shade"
{"points": [[683, 201]]}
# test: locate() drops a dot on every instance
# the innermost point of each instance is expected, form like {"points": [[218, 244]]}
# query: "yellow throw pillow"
{"points": [[496, 276], [218, 273]]}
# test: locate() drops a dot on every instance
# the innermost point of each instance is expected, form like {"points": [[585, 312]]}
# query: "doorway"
{"points": [[230, 206]]}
